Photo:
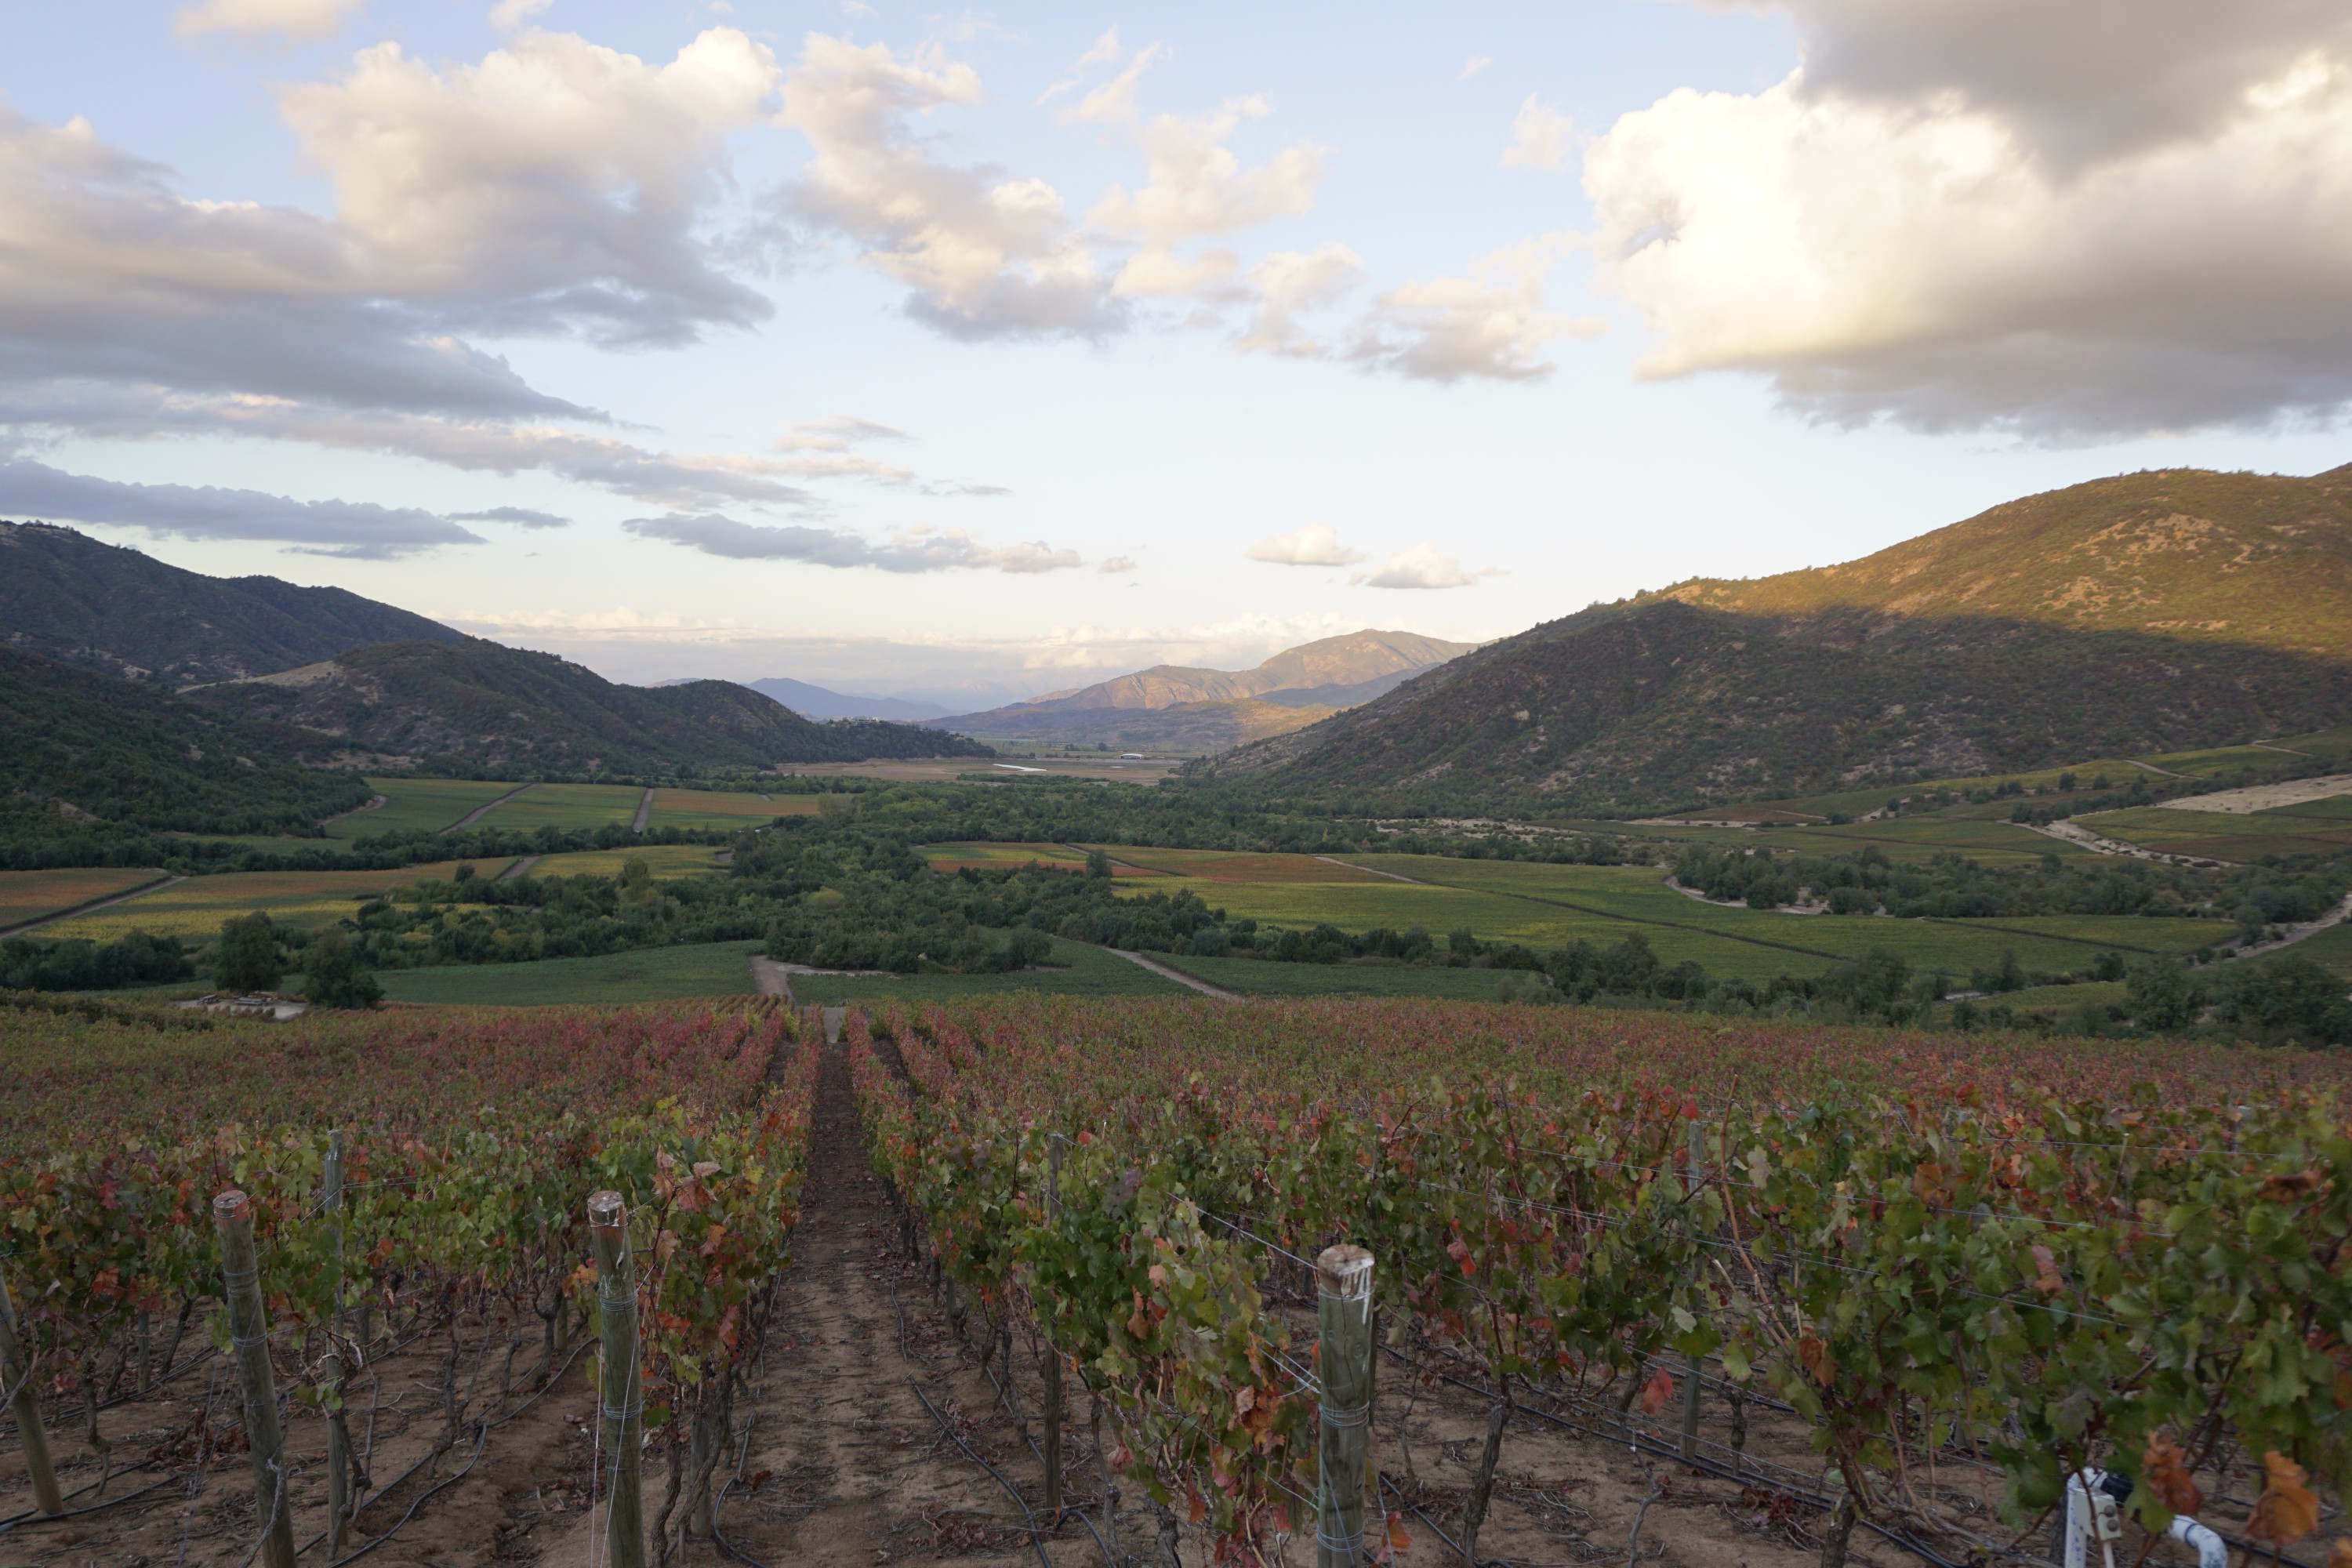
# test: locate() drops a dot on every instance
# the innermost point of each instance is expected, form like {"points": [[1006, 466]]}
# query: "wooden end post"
{"points": [[338, 1434], [621, 1399], [248, 1330], [1695, 1364], [1343, 1362], [25, 1404], [1053, 1352]]}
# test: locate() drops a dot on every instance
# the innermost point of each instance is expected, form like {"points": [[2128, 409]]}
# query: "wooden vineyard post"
{"points": [[1697, 1363], [1343, 1364], [25, 1404], [249, 1331], [338, 1436], [1053, 1352], [621, 1400]]}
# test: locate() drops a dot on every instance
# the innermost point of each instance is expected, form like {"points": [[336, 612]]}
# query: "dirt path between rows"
{"points": [[644, 814], [2072, 833], [375, 803], [769, 978], [484, 809]]}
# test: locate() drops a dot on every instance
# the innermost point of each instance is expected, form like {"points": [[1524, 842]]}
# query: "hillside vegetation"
{"points": [[2106, 619], [65, 594], [481, 705], [89, 753]]}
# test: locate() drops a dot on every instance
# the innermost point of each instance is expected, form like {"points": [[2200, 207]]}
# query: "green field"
{"points": [[2227, 835], [1547, 906], [1992, 840], [1081, 970], [566, 805], [1254, 977], [417, 805], [661, 859], [196, 907], [647, 975], [2331, 948], [724, 810]]}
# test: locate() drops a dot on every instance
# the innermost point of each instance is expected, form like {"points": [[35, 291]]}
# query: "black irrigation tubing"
{"points": [[1034, 1544], [719, 1536], [481, 1439], [1638, 1440], [61, 1412], [34, 1516]]}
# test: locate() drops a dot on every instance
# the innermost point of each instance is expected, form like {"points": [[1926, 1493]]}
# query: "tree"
{"points": [[335, 975], [2284, 997], [2163, 995], [1097, 863], [247, 957]]}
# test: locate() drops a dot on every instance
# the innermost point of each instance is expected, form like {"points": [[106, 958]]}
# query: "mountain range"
{"points": [[817, 702], [67, 597], [1175, 706], [2149, 612]]}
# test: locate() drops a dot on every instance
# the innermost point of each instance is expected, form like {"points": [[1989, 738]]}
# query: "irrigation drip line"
{"points": [[1034, 1544], [34, 1516]]}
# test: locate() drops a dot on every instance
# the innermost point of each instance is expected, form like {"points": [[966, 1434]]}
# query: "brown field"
{"points": [[988, 857], [30, 895], [1224, 866]]}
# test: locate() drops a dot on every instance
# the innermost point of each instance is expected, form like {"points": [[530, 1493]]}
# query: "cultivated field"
{"points": [[30, 895], [566, 805], [644, 975], [416, 805], [196, 907], [661, 859], [721, 809]]}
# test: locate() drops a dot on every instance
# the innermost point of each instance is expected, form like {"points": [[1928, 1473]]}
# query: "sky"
{"points": [[969, 354]]}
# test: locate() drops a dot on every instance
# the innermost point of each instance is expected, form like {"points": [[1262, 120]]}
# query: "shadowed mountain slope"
{"points": [[67, 597], [2148, 612]]}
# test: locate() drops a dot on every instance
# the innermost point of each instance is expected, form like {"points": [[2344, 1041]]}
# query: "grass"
{"points": [[196, 907], [989, 855], [1916, 838], [2331, 949], [417, 805], [661, 859], [647, 974], [1225, 866], [716, 808], [30, 895], [567, 805], [1254, 977], [1078, 969], [2226, 835]]}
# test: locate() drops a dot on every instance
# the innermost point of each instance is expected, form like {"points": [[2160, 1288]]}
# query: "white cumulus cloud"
{"points": [[360, 530], [1541, 137], [2074, 222], [1311, 544], [1416, 566], [983, 253], [1488, 324]]}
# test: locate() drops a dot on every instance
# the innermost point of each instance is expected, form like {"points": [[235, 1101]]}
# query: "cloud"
{"points": [[835, 433], [520, 516], [507, 16], [1472, 66], [1197, 188], [917, 550], [1291, 283], [1117, 565], [982, 254], [1112, 102], [298, 20], [1104, 51], [1313, 544], [2074, 223], [1417, 566], [554, 186], [361, 530], [1541, 137], [1487, 325]]}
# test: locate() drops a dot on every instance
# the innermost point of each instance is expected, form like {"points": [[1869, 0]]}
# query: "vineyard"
{"points": [[1026, 1276]]}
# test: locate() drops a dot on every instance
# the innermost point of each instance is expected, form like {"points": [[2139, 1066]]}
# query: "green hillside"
{"points": [[2104, 620], [92, 752], [481, 705], [66, 595]]}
